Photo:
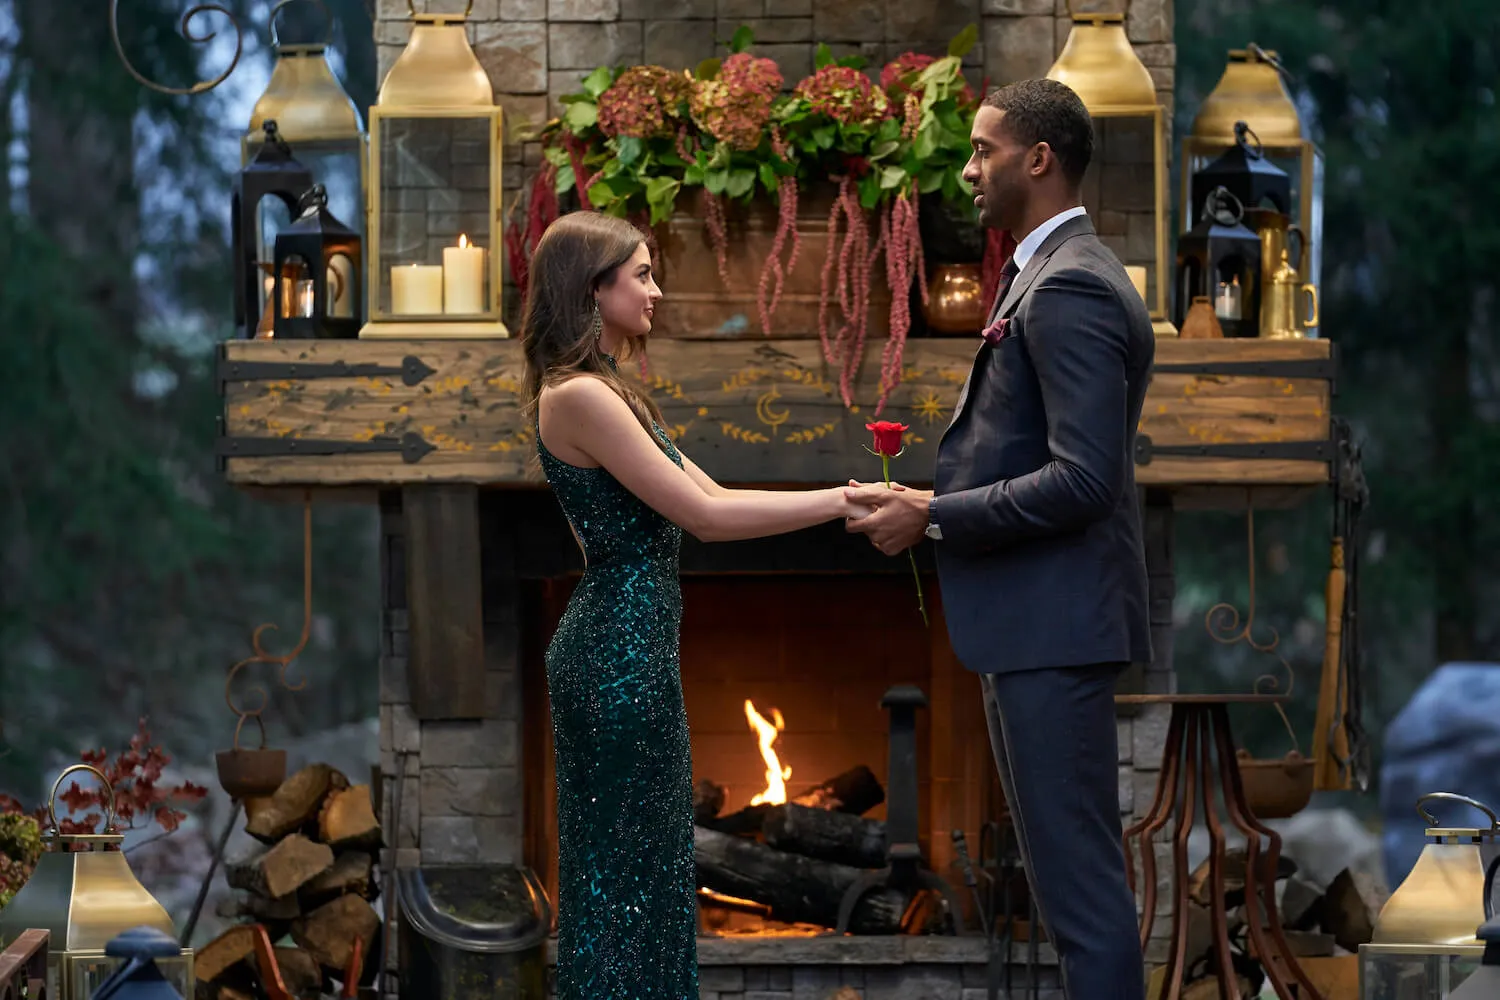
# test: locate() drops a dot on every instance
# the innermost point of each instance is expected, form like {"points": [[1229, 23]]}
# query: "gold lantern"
{"points": [[1425, 944], [1100, 65], [435, 190], [320, 121], [1251, 91], [85, 894], [1484, 982]]}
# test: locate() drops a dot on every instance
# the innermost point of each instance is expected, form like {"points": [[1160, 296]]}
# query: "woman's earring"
{"points": [[598, 322]]}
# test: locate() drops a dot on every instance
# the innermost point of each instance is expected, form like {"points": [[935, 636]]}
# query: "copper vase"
{"points": [[955, 299]]}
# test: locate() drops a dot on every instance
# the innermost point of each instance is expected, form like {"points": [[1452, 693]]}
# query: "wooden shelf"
{"points": [[750, 411]]}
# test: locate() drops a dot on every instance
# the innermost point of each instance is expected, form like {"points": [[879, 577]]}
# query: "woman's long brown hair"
{"points": [[578, 254]]}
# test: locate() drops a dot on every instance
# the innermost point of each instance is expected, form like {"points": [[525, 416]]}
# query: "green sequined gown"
{"points": [[627, 913]]}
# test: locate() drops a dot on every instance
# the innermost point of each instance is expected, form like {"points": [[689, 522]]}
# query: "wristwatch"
{"points": [[934, 530]]}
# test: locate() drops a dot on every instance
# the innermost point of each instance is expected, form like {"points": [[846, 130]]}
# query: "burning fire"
{"points": [[776, 775]]}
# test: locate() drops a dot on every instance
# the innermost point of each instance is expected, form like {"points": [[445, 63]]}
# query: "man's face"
{"points": [[997, 171]]}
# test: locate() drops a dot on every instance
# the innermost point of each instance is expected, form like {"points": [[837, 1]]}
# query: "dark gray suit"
{"points": [[1044, 580]]}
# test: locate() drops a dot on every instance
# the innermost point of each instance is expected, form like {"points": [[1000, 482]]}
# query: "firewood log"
{"points": [[796, 888], [840, 838], [352, 871], [279, 870], [328, 933], [347, 820], [295, 805]]}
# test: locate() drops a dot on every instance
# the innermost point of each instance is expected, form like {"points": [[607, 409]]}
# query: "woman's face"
{"points": [[628, 298]]}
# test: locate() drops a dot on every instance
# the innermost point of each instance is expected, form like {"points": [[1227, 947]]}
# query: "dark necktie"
{"points": [[1008, 273], [995, 332]]}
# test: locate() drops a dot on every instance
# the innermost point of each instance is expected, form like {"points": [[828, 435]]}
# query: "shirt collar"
{"points": [[1034, 239]]}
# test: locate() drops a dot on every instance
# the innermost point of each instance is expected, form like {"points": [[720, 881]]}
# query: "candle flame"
{"points": [[776, 774], [463, 241]]}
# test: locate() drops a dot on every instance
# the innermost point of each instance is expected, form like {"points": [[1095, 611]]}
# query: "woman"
{"points": [[627, 916]]}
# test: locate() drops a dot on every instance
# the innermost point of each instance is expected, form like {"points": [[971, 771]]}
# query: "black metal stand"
{"points": [[905, 868]]}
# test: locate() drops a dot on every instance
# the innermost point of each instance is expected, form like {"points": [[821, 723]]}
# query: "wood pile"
{"points": [[1319, 922], [311, 883]]}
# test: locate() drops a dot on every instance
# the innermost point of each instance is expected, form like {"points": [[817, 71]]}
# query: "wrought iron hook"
{"points": [[261, 656], [186, 28]]}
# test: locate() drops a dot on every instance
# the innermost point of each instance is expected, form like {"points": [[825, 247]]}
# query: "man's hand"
{"points": [[899, 519]]}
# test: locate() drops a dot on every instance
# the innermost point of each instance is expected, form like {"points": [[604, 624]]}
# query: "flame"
{"points": [[776, 775], [463, 241]]}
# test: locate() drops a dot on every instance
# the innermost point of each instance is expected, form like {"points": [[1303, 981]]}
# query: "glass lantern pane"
{"points": [[89, 974], [1407, 973], [1121, 195], [435, 217]]}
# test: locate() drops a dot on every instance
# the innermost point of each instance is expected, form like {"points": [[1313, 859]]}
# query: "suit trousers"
{"points": [[1054, 737]]}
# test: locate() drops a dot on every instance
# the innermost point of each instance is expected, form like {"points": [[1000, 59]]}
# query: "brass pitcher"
{"points": [[1276, 231], [1288, 307]]}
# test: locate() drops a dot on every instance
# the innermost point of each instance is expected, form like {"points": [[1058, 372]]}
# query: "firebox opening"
{"points": [[783, 676]]}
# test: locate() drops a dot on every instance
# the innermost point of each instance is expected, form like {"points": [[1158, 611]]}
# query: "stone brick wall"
{"points": [[451, 791]]}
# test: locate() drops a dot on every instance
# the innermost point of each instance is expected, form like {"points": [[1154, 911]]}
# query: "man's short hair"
{"points": [[1048, 111]]}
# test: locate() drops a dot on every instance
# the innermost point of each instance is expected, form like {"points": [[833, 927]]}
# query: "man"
{"points": [[1036, 525]]}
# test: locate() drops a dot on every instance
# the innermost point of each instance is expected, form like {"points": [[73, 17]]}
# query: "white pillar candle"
{"points": [[463, 278], [417, 290], [1138, 279]]}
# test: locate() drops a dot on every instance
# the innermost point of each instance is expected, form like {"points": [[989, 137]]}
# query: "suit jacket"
{"points": [[1041, 560]]}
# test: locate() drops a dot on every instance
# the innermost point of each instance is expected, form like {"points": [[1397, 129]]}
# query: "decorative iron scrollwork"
{"points": [[189, 33]]}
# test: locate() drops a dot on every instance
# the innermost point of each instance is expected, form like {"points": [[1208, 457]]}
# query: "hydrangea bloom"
{"points": [[732, 113], [909, 65], [845, 95], [742, 71], [642, 103]]}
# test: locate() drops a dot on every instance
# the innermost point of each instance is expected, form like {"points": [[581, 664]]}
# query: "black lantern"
{"points": [[317, 288], [1219, 259], [1244, 171], [272, 172]]}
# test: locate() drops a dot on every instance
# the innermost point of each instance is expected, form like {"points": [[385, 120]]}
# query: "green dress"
{"points": [[627, 912]]}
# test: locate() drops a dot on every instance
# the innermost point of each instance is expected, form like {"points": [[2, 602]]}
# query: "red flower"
{"points": [[887, 437]]}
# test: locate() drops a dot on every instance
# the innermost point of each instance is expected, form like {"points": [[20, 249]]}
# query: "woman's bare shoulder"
{"points": [[581, 390]]}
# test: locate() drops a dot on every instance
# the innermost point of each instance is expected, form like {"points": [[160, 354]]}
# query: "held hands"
{"points": [[898, 520]]}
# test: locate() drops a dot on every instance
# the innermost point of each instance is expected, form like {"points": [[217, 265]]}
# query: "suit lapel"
{"points": [[1007, 304]]}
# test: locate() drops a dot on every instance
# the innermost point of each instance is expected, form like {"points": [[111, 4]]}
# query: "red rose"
{"points": [[887, 437]]}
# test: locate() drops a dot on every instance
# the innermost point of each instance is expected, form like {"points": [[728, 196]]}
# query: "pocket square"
{"points": [[997, 331]]}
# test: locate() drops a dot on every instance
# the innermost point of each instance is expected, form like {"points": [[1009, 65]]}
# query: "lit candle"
{"points": [[463, 278], [305, 298], [1138, 279], [417, 290]]}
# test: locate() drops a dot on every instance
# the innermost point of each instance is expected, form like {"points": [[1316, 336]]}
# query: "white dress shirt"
{"points": [[1034, 239]]}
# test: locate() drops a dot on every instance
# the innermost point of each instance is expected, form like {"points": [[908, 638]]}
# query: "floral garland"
{"points": [[633, 139]]}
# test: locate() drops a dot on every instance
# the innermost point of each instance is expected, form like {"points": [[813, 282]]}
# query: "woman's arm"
{"points": [[585, 415], [707, 485]]}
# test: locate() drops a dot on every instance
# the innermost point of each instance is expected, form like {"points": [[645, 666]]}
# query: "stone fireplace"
{"points": [[815, 627]]}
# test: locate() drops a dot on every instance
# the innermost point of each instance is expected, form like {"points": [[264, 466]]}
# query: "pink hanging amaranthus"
{"points": [[773, 273], [855, 258], [521, 237], [903, 264], [847, 96], [734, 108]]}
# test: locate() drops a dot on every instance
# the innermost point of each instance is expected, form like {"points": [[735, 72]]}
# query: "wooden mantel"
{"points": [[750, 411]]}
